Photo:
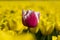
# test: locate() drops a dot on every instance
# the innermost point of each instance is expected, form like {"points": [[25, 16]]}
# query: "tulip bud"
{"points": [[30, 18], [57, 24], [47, 23]]}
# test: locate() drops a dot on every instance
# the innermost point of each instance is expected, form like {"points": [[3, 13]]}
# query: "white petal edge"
{"points": [[23, 12], [29, 12], [37, 13]]}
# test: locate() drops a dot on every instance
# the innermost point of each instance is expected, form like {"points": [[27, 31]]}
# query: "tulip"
{"points": [[47, 24], [30, 18]]}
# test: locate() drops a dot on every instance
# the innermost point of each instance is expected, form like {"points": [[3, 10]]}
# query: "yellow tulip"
{"points": [[47, 23]]}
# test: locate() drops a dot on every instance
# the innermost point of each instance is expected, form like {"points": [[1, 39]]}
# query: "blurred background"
{"points": [[11, 27]]}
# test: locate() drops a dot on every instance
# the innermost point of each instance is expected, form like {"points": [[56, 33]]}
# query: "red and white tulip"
{"points": [[30, 18]]}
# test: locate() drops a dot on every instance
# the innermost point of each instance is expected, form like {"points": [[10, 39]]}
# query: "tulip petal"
{"points": [[30, 18]]}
